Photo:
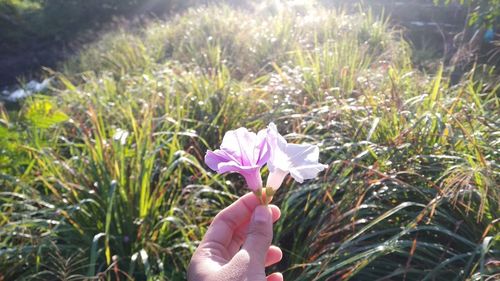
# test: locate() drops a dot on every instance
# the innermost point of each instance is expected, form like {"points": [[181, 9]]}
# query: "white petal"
{"points": [[275, 179], [121, 136], [306, 172], [278, 146], [301, 160], [302, 154]]}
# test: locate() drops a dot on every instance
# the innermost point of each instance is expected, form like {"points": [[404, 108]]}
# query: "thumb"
{"points": [[259, 235]]}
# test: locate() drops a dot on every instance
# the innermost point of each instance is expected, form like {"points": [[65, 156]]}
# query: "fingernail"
{"points": [[262, 213]]}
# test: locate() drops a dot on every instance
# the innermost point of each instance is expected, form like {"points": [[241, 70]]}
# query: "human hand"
{"points": [[237, 245]]}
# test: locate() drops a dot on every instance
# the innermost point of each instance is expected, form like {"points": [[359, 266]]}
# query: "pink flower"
{"points": [[300, 160], [242, 152]]}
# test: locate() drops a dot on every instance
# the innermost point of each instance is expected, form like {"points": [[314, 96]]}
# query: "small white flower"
{"points": [[121, 136]]}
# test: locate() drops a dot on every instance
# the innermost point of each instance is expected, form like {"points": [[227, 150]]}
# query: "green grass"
{"points": [[411, 192]]}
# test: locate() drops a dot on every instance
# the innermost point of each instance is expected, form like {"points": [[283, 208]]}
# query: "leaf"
{"points": [[94, 253], [41, 114]]}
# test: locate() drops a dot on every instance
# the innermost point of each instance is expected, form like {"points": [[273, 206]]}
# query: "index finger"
{"points": [[228, 220]]}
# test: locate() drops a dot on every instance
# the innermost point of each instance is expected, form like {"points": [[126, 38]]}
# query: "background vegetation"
{"points": [[102, 175], [483, 12], [64, 19]]}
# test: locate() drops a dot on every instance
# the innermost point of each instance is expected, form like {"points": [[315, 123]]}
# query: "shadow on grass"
{"points": [[36, 33]]}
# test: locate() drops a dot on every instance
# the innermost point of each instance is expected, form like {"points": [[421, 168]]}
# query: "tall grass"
{"points": [[104, 177]]}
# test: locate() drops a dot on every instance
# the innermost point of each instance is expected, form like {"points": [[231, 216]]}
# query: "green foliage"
{"points": [[42, 114], [484, 13], [9, 142], [12, 158], [114, 183]]}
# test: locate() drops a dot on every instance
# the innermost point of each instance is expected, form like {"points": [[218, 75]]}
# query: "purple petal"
{"points": [[234, 167], [240, 143], [263, 150], [253, 179], [242, 152], [250, 173], [213, 158]]}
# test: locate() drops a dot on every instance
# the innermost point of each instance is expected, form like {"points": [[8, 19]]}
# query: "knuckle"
{"points": [[261, 231]]}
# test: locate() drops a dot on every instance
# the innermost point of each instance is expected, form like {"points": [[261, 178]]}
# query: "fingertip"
{"points": [[276, 212], [224, 224], [274, 255], [276, 250], [262, 214], [277, 276]]}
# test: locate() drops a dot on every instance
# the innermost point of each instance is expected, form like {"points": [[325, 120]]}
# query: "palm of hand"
{"points": [[237, 245]]}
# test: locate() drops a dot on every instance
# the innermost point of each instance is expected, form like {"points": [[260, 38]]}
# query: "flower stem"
{"points": [[258, 193], [269, 194], [265, 197]]}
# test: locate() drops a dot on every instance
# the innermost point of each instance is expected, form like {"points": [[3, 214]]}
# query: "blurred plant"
{"points": [[483, 13], [482, 21]]}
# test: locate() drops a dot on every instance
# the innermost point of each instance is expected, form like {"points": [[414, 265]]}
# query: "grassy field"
{"points": [[103, 177]]}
